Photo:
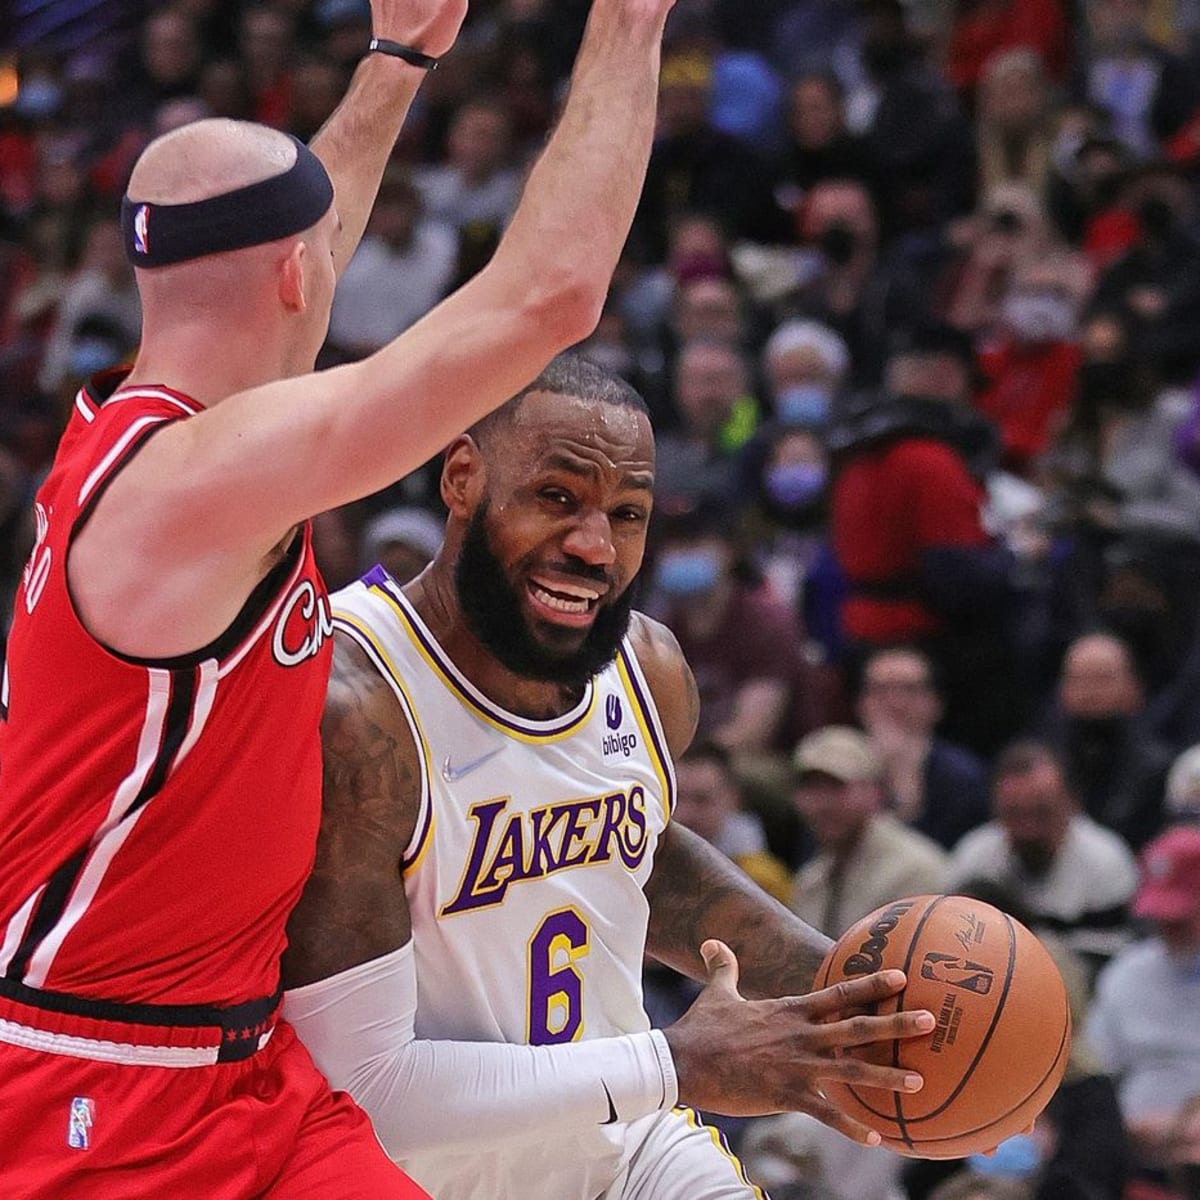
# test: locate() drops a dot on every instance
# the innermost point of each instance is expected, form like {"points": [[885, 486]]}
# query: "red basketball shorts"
{"points": [[269, 1127]]}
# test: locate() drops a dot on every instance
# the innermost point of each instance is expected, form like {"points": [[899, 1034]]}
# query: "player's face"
{"points": [[549, 554]]}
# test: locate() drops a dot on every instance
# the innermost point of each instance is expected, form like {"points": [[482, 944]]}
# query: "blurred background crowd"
{"points": [[913, 294]]}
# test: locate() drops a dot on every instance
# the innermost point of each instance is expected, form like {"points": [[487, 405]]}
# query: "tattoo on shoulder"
{"points": [[370, 764]]}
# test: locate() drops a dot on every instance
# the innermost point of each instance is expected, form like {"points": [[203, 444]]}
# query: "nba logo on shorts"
{"points": [[141, 229], [83, 1112]]}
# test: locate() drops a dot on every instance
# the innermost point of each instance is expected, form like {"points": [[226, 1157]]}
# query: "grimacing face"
{"points": [[551, 549]]}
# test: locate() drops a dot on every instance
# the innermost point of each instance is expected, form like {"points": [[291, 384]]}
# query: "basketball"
{"points": [[1003, 1031]]}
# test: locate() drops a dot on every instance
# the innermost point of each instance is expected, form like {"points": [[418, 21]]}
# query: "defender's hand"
{"points": [[749, 1057], [430, 26]]}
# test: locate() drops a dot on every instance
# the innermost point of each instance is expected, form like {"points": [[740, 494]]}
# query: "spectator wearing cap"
{"points": [[908, 531], [1143, 1021], [865, 856], [402, 540], [1071, 875], [938, 788]]}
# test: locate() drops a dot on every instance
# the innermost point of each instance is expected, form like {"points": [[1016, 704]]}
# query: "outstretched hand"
{"points": [[750, 1057], [429, 25]]}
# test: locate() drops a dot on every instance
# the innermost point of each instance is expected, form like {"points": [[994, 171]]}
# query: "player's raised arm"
{"points": [[356, 141], [204, 503]]}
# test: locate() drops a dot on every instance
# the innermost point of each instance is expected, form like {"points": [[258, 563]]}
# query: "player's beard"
{"points": [[493, 612]]}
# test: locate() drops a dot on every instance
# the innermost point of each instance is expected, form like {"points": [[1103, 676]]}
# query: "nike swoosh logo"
{"points": [[612, 1111], [452, 774]]}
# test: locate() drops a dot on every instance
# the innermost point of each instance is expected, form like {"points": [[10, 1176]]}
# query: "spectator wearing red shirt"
{"points": [[1030, 370], [907, 530]]}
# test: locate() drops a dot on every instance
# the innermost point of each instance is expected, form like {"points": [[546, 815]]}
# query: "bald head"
{"points": [[208, 158], [1099, 678], [231, 227]]}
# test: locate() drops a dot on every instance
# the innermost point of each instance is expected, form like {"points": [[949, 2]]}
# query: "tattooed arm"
{"points": [[695, 892], [712, 922], [354, 908]]}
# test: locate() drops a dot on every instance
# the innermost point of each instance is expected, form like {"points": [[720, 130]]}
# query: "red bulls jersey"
{"points": [[157, 818]]}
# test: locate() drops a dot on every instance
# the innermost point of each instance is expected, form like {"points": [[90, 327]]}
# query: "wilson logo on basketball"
{"points": [[869, 956], [303, 624], [958, 973]]}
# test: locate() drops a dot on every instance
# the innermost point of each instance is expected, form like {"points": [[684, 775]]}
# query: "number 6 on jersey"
{"points": [[555, 986]]}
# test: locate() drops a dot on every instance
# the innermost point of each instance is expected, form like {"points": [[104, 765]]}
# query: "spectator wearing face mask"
{"points": [[1030, 370], [745, 646], [1149, 91], [805, 365], [843, 283], [788, 526]]}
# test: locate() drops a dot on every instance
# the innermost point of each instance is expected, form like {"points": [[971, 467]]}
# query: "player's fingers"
{"points": [[722, 965], [846, 1069], [855, 993], [862, 1030], [817, 1106]]}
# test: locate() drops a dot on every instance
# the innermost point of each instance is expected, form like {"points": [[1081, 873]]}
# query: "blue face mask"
{"points": [[804, 404], [1016, 1157], [794, 484], [686, 573]]}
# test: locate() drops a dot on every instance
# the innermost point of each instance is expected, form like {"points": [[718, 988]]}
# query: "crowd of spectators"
{"points": [[913, 295]]}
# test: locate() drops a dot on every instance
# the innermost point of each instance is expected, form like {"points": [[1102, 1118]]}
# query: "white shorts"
{"points": [[672, 1156], [663, 1156]]}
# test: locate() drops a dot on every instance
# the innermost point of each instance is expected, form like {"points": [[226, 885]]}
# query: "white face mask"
{"points": [[1040, 316]]}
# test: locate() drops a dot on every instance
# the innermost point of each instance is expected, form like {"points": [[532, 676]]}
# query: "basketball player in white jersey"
{"points": [[497, 852]]}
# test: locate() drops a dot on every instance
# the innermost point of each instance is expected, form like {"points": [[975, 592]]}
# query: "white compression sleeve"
{"points": [[439, 1095]]}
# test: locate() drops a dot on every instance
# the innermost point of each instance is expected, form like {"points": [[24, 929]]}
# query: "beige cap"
{"points": [[840, 751]]}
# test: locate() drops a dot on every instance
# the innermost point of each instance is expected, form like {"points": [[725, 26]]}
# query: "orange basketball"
{"points": [[1003, 1028]]}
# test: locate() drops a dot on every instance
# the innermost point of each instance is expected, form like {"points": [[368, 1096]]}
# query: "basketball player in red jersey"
{"points": [[171, 640]]}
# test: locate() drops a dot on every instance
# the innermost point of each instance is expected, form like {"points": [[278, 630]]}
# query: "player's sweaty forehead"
{"points": [[550, 431]]}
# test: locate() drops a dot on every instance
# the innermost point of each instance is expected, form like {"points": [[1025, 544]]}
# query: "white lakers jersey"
{"points": [[525, 874]]}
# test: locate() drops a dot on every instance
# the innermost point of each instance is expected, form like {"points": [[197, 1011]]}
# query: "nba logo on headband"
{"points": [[141, 229]]}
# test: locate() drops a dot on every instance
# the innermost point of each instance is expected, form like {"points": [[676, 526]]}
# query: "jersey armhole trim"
{"points": [[258, 602], [648, 721]]}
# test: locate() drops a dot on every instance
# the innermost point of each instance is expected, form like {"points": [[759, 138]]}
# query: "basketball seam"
{"points": [[1062, 1047], [899, 1117]]}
